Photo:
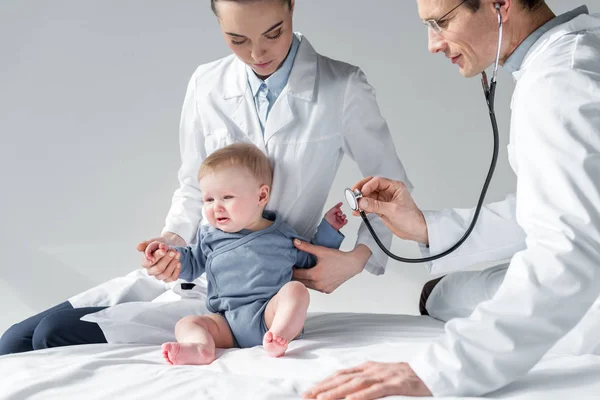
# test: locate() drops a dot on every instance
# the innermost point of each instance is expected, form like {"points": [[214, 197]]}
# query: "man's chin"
{"points": [[469, 73]]}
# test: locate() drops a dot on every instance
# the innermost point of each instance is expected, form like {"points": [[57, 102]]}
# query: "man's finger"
{"points": [[326, 385], [376, 185], [375, 391], [348, 371], [347, 385], [377, 207], [359, 185]]}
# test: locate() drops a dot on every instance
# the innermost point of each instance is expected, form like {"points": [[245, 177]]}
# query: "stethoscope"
{"points": [[489, 91]]}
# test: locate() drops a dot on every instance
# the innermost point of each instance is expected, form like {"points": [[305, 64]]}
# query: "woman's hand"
{"points": [[393, 203], [333, 268], [163, 264]]}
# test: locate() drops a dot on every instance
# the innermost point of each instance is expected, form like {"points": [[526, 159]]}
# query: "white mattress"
{"points": [[332, 341]]}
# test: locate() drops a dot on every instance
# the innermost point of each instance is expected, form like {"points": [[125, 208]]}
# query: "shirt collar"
{"points": [[279, 79], [515, 61]]}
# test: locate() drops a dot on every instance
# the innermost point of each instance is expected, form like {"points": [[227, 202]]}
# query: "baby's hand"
{"points": [[335, 217], [153, 248]]}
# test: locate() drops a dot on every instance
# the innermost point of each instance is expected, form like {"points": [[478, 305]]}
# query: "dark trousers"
{"points": [[427, 289], [55, 327]]}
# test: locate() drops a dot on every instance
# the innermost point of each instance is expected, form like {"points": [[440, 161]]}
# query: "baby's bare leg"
{"points": [[284, 316], [197, 339]]}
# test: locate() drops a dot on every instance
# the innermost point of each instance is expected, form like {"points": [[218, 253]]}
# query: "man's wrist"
{"points": [[424, 236]]}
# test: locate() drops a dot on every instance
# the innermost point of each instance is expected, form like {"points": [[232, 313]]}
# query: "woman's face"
{"points": [[258, 32]]}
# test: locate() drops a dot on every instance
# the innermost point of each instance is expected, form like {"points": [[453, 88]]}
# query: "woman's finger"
{"points": [[161, 264], [141, 247], [169, 270]]}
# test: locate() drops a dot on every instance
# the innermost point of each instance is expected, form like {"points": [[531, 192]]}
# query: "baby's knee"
{"points": [[297, 291], [186, 321], [191, 321]]}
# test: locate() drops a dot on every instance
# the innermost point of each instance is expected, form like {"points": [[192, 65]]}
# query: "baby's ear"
{"points": [[264, 193]]}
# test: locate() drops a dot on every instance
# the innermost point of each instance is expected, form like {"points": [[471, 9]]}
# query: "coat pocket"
{"points": [[217, 139]]}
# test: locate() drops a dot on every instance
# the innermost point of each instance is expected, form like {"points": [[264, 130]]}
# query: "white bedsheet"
{"points": [[332, 341]]}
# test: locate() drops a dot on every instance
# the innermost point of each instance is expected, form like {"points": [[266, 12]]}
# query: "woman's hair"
{"points": [[244, 155], [213, 3], [530, 5]]}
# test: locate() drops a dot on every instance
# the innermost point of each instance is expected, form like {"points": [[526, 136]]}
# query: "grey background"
{"points": [[90, 96]]}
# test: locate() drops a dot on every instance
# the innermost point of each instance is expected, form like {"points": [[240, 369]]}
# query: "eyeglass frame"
{"points": [[433, 23]]}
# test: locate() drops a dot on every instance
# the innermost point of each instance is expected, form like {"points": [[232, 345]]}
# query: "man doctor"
{"points": [[550, 228]]}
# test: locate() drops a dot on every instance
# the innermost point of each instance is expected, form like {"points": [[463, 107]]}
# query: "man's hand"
{"points": [[371, 380], [396, 207]]}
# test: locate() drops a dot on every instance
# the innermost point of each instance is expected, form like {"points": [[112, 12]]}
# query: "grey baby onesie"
{"points": [[246, 269]]}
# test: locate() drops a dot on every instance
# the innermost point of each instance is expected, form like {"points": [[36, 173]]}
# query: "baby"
{"points": [[248, 256]]}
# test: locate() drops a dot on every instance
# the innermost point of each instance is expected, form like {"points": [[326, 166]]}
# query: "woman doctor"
{"points": [[305, 111]]}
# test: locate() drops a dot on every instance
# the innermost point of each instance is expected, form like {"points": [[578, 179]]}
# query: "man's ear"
{"points": [[504, 6]]}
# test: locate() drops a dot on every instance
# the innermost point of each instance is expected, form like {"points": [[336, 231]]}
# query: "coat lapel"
{"points": [[240, 104], [301, 85]]}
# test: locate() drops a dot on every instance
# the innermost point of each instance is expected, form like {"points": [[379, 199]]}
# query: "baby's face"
{"points": [[232, 198]]}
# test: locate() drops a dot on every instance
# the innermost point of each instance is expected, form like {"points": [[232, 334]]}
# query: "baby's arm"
{"points": [[326, 236], [192, 259], [336, 217]]}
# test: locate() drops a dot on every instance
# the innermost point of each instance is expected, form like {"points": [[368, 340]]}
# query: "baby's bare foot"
{"points": [[187, 354], [274, 344]]}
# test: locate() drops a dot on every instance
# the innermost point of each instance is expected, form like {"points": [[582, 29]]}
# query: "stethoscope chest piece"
{"points": [[352, 198]]}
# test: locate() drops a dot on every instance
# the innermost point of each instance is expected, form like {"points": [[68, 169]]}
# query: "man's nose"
{"points": [[435, 41]]}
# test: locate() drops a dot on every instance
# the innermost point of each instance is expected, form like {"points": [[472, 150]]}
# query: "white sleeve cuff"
{"points": [[425, 368], [184, 230]]}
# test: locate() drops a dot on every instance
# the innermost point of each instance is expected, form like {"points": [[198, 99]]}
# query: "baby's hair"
{"points": [[245, 155]]}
